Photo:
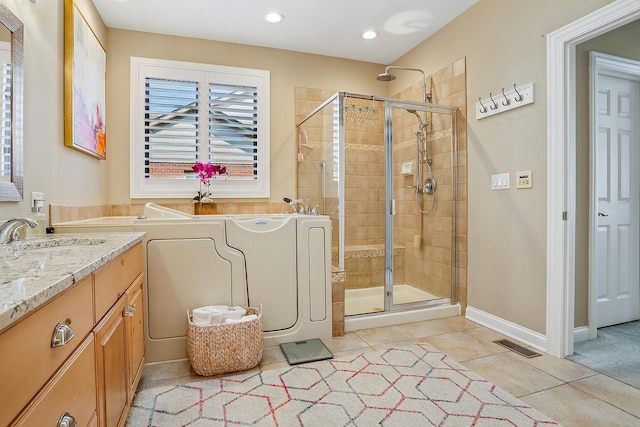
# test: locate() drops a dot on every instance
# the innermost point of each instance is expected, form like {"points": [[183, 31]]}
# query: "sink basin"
{"points": [[52, 243], [31, 255]]}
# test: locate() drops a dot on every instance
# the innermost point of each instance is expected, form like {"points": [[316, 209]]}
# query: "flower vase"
{"points": [[205, 208]]}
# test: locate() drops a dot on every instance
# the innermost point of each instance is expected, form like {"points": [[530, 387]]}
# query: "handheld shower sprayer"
{"points": [[423, 125]]}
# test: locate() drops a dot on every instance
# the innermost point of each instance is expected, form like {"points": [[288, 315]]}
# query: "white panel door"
{"points": [[617, 187]]}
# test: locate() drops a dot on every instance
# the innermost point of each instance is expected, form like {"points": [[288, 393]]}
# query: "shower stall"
{"points": [[384, 170]]}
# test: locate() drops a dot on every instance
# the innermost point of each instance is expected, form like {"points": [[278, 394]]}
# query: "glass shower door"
{"points": [[420, 225]]}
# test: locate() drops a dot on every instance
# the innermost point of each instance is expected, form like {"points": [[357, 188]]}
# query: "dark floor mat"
{"points": [[305, 351]]}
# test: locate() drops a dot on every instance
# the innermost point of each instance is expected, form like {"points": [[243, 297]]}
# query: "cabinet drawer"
{"points": [[72, 391], [28, 360], [112, 280]]}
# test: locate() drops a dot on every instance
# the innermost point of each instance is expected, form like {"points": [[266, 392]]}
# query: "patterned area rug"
{"points": [[406, 386]]}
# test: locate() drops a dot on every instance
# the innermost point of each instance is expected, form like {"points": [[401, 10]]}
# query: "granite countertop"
{"points": [[36, 270]]}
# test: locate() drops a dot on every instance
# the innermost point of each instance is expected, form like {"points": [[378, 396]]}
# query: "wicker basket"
{"points": [[228, 347]]}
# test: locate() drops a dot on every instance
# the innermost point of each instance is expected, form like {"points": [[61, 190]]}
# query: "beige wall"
{"points": [[63, 174], [504, 43], [288, 70], [620, 42]]}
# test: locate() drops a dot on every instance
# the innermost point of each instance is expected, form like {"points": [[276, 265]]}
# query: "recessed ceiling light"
{"points": [[273, 17], [370, 34]]}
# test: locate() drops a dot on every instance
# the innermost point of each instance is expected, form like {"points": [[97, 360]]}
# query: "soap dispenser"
{"points": [[39, 216]]}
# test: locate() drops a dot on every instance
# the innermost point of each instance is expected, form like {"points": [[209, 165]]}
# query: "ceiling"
{"points": [[323, 27]]}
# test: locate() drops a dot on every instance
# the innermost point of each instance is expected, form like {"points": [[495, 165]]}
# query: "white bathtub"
{"points": [[280, 261]]}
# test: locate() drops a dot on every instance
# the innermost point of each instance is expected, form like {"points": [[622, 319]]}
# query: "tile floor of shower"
{"points": [[371, 300]]}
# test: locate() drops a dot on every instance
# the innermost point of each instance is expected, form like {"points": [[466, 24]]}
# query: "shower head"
{"points": [[386, 77]]}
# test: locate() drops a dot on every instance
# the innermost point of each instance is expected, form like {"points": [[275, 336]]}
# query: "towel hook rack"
{"points": [[518, 98], [506, 101], [483, 109], [494, 106]]}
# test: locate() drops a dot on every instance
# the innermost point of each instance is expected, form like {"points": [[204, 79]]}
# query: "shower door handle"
{"points": [[393, 206]]}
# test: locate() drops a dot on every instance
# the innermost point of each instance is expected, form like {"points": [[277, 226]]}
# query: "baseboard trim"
{"points": [[507, 328], [581, 333]]}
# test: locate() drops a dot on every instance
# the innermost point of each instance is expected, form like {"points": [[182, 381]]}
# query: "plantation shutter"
{"points": [[171, 128], [183, 113], [233, 129]]}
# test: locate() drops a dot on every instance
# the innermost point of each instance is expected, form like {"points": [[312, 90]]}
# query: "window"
{"points": [[183, 113]]}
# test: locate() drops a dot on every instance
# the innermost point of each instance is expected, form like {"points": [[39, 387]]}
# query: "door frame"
{"points": [[615, 66], [561, 164]]}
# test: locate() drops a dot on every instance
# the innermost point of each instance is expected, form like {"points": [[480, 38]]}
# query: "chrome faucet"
{"points": [[304, 209], [10, 228]]}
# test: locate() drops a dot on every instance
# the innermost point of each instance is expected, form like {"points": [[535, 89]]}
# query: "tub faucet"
{"points": [[10, 228], [304, 209]]}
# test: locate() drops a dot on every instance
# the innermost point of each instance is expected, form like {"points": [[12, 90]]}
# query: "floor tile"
{"points": [[462, 347], [512, 374], [272, 354], [164, 370], [348, 341], [428, 328], [387, 334], [574, 408], [563, 369], [620, 395], [487, 335]]}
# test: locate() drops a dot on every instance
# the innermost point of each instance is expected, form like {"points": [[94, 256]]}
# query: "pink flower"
{"points": [[205, 172]]}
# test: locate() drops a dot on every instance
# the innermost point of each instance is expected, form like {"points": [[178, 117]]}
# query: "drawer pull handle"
{"points": [[62, 334], [130, 311], [67, 420]]}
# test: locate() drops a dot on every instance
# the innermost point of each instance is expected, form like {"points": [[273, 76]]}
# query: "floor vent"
{"points": [[517, 348]]}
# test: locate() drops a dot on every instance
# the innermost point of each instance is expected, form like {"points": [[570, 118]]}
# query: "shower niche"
{"points": [[394, 225]]}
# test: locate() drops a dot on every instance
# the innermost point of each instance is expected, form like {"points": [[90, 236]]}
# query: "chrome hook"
{"points": [[353, 113], [494, 106], [506, 101], [518, 98], [483, 109]]}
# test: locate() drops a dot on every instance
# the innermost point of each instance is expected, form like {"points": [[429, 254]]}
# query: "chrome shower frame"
{"points": [[390, 104]]}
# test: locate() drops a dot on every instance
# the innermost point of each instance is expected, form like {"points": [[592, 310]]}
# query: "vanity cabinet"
{"points": [[134, 317], [90, 378], [119, 357], [28, 358]]}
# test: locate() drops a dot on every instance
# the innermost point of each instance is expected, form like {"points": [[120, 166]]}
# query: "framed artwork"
{"points": [[85, 67]]}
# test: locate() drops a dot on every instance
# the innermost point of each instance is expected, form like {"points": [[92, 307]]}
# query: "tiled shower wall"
{"points": [[422, 242]]}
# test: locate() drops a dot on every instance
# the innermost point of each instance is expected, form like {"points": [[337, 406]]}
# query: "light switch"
{"points": [[525, 179], [501, 181]]}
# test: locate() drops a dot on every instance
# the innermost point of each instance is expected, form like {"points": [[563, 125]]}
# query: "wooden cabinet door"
{"points": [[111, 366], [70, 393], [134, 316]]}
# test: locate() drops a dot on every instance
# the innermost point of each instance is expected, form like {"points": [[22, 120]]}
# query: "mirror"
{"points": [[11, 81]]}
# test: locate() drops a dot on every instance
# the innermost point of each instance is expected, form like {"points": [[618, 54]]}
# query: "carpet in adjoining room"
{"points": [[415, 385], [615, 352]]}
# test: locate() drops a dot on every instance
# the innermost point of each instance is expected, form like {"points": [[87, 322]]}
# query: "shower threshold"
{"points": [[371, 300]]}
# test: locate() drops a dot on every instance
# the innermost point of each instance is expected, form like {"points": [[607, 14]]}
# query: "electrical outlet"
{"points": [[525, 179], [37, 201]]}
